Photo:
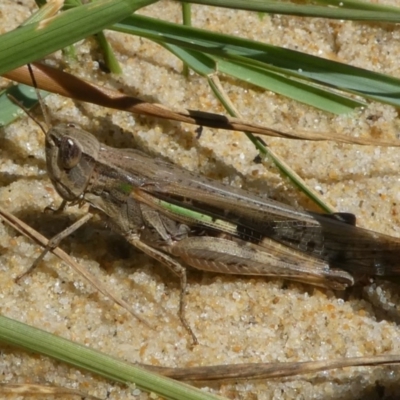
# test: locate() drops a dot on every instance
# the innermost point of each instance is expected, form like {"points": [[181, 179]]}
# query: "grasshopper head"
{"points": [[71, 154]]}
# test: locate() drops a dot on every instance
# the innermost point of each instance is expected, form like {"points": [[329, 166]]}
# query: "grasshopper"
{"points": [[181, 218]]}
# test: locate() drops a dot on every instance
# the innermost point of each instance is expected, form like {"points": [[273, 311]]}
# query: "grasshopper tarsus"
{"points": [[32, 267], [57, 210], [182, 303], [182, 316]]}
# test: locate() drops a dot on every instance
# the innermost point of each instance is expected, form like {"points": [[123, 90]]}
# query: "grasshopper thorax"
{"points": [[70, 156]]}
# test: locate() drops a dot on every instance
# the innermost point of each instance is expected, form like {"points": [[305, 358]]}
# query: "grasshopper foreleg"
{"points": [[54, 242]]}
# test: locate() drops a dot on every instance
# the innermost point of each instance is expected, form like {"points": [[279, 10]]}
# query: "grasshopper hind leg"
{"points": [[271, 259], [175, 267]]}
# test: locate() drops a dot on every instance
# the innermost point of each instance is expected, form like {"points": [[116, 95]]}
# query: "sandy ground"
{"points": [[236, 319]]}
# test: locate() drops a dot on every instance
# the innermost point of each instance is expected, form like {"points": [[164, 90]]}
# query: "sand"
{"points": [[236, 319]]}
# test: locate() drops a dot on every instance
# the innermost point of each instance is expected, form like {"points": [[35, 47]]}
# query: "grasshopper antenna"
{"points": [[40, 100]]}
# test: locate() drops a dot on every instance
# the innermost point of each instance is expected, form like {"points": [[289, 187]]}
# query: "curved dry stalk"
{"points": [[56, 81]]}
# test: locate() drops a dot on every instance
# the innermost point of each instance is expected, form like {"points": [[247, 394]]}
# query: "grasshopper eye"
{"points": [[70, 153]]}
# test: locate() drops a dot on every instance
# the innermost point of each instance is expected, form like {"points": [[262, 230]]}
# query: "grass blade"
{"points": [[355, 11], [9, 111], [268, 58], [305, 92], [36, 40], [33, 339]]}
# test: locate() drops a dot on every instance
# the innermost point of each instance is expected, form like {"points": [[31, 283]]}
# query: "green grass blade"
{"points": [[187, 20], [109, 57], [304, 92], [358, 5], [38, 341], [319, 97], [199, 62], [266, 151], [25, 95], [36, 40], [293, 64], [358, 13]]}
